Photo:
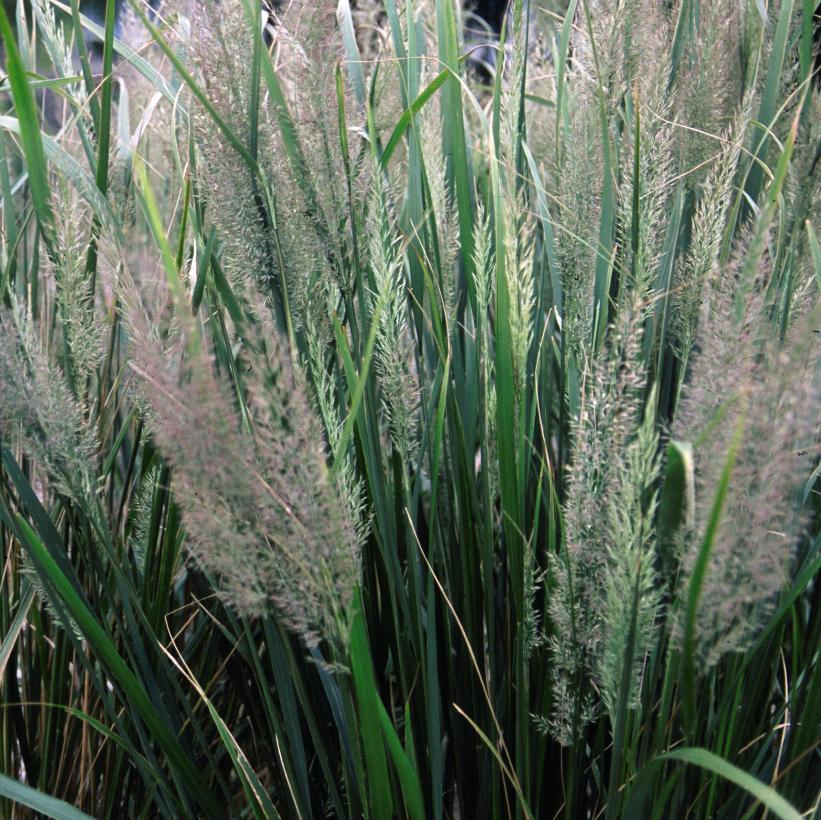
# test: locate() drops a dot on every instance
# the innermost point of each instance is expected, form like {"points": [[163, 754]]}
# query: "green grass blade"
{"points": [[760, 791], [260, 801], [562, 116], [132, 689], [455, 138], [29, 130], [682, 31], [404, 121], [361, 380], [16, 626], [368, 701], [614, 795], [353, 59], [409, 780], [770, 101], [38, 801], [677, 504], [106, 95]]}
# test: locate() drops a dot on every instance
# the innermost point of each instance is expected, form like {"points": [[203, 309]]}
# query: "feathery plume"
{"points": [[74, 296], [708, 229], [37, 404], [394, 350], [709, 84], [642, 227], [267, 523], [519, 252], [219, 40], [442, 205], [774, 391], [632, 596], [351, 489], [577, 179], [60, 54], [484, 283], [608, 515]]}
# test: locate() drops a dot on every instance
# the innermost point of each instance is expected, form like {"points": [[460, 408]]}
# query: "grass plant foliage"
{"points": [[383, 441]]}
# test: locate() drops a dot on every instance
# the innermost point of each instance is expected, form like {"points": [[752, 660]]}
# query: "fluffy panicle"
{"points": [[621, 44], [387, 95], [631, 594], [802, 195], [394, 348], [306, 38], [599, 47], [643, 236], [60, 54], [647, 38], [219, 42], [572, 706], [513, 68], [142, 509], [709, 83], [351, 488], [578, 182], [76, 301], [286, 234], [612, 466], [485, 284], [37, 404], [308, 48], [519, 228], [725, 355], [443, 206], [58, 49], [269, 525], [312, 533], [773, 390], [708, 229], [519, 250], [483, 272]]}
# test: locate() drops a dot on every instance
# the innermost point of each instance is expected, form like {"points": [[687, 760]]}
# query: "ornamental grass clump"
{"points": [[379, 439]]}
